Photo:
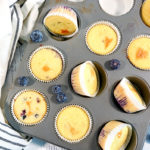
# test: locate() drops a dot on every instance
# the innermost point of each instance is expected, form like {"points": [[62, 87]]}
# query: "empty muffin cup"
{"points": [[117, 7]]}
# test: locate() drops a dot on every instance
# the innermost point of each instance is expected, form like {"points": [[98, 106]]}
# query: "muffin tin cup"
{"points": [[128, 4], [104, 134], [14, 116], [110, 25], [139, 36], [133, 140], [78, 140], [78, 86], [54, 49], [63, 14], [143, 89]]}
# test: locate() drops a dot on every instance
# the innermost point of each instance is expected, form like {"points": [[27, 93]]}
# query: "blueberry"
{"points": [[24, 117], [23, 81], [61, 97], [56, 89], [36, 36], [114, 64]]}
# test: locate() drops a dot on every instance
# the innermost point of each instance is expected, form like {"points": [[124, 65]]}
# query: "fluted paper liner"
{"points": [[87, 133], [12, 109], [51, 48], [137, 37], [126, 98], [66, 12], [110, 25], [77, 80]]}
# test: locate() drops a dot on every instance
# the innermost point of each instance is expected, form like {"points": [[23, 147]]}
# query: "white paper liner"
{"points": [[117, 7], [139, 36], [81, 74], [78, 140], [54, 49], [113, 133], [12, 104], [110, 25], [66, 15]]}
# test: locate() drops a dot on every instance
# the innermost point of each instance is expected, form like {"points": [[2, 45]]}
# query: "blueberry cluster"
{"points": [[60, 96]]}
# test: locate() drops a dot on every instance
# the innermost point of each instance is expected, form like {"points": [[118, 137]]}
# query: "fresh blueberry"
{"points": [[36, 36], [61, 97], [114, 64], [24, 117], [56, 89], [23, 81]]}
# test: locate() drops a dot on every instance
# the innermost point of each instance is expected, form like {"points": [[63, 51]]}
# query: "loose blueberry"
{"points": [[114, 64], [56, 89], [61, 97], [36, 36], [23, 81]]}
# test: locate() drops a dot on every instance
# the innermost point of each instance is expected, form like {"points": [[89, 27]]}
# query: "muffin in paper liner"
{"points": [[61, 21], [145, 15], [48, 62], [138, 52], [115, 135], [85, 79], [103, 38], [23, 101], [73, 123], [117, 7], [128, 97]]}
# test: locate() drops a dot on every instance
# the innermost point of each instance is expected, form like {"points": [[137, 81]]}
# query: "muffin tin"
{"points": [[102, 107]]}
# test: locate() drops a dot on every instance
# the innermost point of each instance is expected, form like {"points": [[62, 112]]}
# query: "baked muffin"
{"points": [[115, 135], [85, 79], [138, 52], [73, 123], [128, 97], [46, 63], [102, 38], [62, 21], [29, 107], [145, 12]]}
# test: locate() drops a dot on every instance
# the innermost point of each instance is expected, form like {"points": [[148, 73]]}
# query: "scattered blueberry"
{"points": [[36, 36], [114, 64], [61, 97], [56, 89], [23, 81]]}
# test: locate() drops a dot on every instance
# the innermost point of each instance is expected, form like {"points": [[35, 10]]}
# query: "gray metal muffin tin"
{"points": [[103, 107]]}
